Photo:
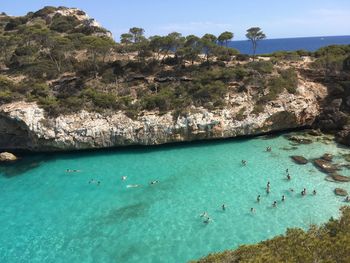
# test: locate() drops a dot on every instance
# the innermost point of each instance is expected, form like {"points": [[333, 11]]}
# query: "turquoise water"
{"points": [[48, 215]]}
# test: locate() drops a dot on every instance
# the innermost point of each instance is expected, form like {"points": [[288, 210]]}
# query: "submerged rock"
{"points": [[299, 140], [339, 178], [327, 157], [292, 148], [7, 157], [340, 191], [325, 166], [315, 132], [299, 159]]}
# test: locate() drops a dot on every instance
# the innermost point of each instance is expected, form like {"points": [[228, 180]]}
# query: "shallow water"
{"points": [[48, 215]]}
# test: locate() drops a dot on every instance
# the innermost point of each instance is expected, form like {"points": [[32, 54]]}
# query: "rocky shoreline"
{"points": [[25, 126]]}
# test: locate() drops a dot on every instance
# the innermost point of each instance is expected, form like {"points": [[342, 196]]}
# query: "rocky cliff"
{"points": [[25, 126]]}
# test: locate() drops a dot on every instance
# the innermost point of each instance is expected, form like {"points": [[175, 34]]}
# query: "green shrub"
{"points": [[101, 99], [263, 67], [327, 243], [63, 24]]}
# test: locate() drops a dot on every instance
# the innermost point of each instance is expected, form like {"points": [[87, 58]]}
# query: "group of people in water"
{"points": [[268, 190], [138, 185]]}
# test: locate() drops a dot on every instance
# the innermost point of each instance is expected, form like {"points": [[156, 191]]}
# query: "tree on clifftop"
{"points": [[225, 37], [254, 34], [137, 34]]}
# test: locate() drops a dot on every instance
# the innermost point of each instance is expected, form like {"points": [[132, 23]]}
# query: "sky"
{"points": [[277, 18]]}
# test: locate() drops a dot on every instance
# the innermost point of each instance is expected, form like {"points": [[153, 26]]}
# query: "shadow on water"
{"points": [[23, 165], [121, 214], [145, 149]]}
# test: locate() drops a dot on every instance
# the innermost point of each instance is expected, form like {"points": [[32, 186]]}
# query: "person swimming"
{"points": [[268, 149], [124, 178], [287, 171], [314, 192], [223, 207], [154, 182], [268, 190], [72, 171], [268, 184], [288, 177], [252, 210], [207, 220], [258, 198], [291, 189], [303, 192], [94, 181], [204, 214], [133, 185], [283, 198], [244, 162], [274, 204]]}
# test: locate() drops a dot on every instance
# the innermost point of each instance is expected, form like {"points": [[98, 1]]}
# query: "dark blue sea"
{"points": [[289, 44]]}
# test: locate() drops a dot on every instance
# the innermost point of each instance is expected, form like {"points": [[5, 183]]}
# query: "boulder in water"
{"points": [[299, 159], [339, 178], [7, 157], [315, 132], [325, 166], [299, 140], [327, 157], [340, 191]]}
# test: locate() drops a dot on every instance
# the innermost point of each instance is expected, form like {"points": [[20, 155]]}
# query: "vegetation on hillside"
{"points": [[66, 63], [327, 243]]}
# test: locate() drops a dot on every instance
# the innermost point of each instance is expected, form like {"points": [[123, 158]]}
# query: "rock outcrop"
{"points": [[7, 157], [340, 192], [25, 125], [299, 159]]}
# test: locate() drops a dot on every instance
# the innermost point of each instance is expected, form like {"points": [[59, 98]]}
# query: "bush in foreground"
{"points": [[327, 243]]}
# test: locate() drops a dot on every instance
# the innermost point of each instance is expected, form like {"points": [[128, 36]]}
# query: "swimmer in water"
{"points": [[133, 185], [268, 190], [258, 199], [283, 198], [223, 207], [287, 171], [288, 177], [291, 189], [314, 192], [154, 182], [252, 210], [244, 162], [274, 204], [207, 220], [124, 178], [204, 214], [347, 199]]}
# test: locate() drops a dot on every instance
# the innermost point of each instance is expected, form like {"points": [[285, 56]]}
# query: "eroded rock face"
{"points": [[25, 126]]}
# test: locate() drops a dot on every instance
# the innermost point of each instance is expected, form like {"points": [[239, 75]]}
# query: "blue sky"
{"points": [[277, 18]]}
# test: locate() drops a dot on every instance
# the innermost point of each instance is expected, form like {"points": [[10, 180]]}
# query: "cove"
{"points": [[49, 215]]}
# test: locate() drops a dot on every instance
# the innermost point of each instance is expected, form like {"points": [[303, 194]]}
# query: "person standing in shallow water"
{"points": [[258, 199], [223, 207], [244, 162]]}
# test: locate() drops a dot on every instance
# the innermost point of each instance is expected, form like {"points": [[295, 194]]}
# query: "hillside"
{"points": [[66, 84]]}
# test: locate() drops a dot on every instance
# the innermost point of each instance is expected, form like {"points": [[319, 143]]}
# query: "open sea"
{"points": [[50, 215], [289, 44]]}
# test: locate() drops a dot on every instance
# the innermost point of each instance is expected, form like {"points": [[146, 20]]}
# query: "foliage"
{"points": [[327, 243], [254, 34]]}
